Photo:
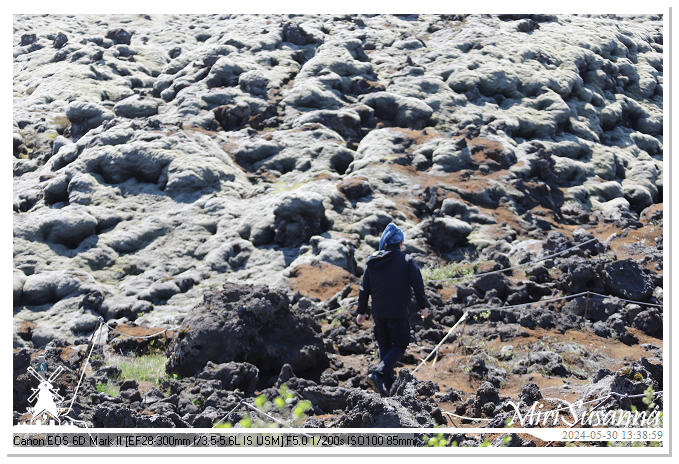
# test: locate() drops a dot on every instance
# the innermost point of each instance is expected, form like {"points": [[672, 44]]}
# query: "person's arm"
{"points": [[363, 294], [417, 284]]}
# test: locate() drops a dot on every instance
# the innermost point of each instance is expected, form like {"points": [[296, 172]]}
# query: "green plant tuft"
{"points": [[110, 390], [291, 411], [437, 440], [449, 271], [145, 368]]}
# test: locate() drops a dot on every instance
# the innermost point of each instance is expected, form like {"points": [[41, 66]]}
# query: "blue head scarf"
{"points": [[392, 234]]}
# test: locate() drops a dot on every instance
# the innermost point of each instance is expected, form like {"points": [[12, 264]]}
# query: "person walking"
{"points": [[389, 276]]}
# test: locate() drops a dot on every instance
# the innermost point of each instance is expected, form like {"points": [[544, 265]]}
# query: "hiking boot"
{"points": [[375, 380]]}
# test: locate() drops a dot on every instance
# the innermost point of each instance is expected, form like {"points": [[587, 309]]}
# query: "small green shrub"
{"points": [[649, 399], [110, 390], [292, 410], [449, 271], [145, 368], [436, 440], [482, 316]]}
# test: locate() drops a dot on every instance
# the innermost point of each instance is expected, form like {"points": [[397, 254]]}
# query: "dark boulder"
{"points": [[411, 405], [247, 323], [625, 279], [232, 375], [552, 362], [538, 273], [530, 393], [602, 330], [60, 40], [630, 380], [487, 393], [485, 402], [527, 25], [323, 398], [351, 346], [497, 282], [481, 371], [113, 415], [28, 39], [649, 322], [579, 276], [478, 369], [119, 36]]}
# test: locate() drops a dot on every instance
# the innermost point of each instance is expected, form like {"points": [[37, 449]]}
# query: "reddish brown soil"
{"points": [[351, 183], [139, 331], [484, 150], [624, 247], [448, 292], [321, 280], [65, 352], [189, 129], [403, 206], [321, 176], [25, 331], [449, 369], [419, 136], [426, 179]]}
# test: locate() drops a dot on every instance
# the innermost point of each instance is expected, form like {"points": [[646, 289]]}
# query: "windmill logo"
{"points": [[46, 408]]}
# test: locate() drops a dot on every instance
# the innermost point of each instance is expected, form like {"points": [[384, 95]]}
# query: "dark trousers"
{"points": [[393, 336]]}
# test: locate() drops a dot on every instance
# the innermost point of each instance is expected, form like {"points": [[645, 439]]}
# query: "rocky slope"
{"points": [[156, 157]]}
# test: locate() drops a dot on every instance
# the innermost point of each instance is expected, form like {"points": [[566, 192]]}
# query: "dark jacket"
{"points": [[389, 276]]}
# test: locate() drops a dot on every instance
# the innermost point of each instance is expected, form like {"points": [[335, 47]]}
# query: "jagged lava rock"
{"points": [[232, 375], [625, 279], [411, 405], [247, 323]]}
